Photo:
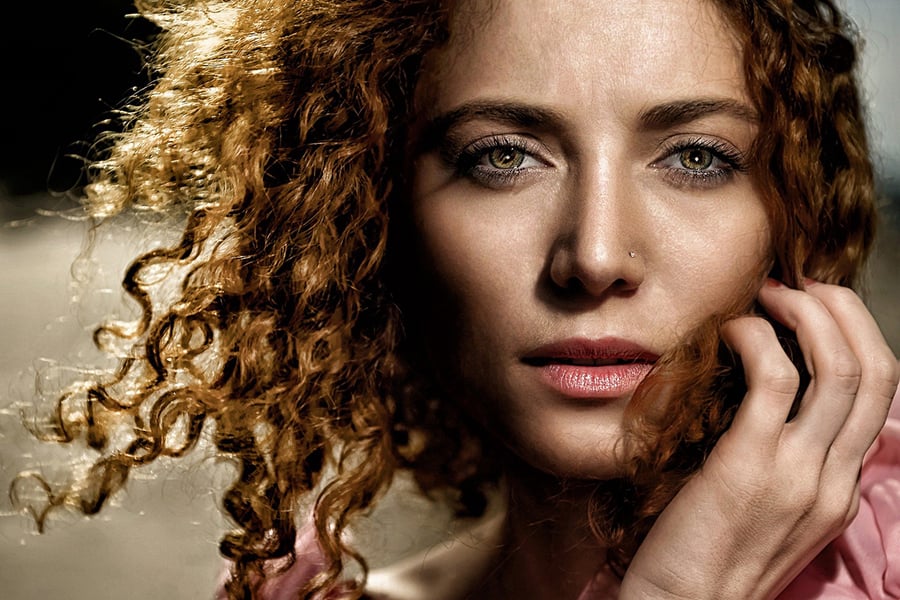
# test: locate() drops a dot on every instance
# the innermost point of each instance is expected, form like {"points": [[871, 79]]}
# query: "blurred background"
{"points": [[65, 68]]}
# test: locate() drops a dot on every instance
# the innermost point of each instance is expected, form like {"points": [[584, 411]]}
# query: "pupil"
{"points": [[696, 160]]}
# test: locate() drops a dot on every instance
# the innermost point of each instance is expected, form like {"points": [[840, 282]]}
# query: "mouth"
{"points": [[582, 362], [590, 353], [591, 369]]}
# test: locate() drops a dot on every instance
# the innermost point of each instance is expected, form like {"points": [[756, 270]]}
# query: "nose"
{"points": [[601, 245]]}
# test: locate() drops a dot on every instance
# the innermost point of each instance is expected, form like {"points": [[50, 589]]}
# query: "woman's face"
{"points": [[580, 200]]}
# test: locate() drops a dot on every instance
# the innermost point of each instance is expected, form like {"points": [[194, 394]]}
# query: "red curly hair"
{"points": [[278, 129]]}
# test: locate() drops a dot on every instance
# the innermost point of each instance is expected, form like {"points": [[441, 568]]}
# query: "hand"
{"points": [[773, 493]]}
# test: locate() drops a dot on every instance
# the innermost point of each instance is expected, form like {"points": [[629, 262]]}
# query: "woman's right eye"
{"points": [[497, 162]]}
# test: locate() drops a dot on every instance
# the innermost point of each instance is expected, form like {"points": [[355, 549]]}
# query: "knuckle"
{"points": [[806, 498], [841, 296], [885, 369], [839, 496], [800, 491], [838, 509], [811, 304], [802, 501], [843, 366], [781, 377], [833, 519]]}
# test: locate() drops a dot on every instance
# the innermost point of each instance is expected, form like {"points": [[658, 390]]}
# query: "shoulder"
{"points": [[449, 569]]}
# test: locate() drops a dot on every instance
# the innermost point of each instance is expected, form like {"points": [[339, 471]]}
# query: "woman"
{"points": [[558, 248]]}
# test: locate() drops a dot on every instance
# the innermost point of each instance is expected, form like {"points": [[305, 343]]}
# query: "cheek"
{"points": [[463, 290], [458, 276], [480, 262], [706, 253], [724, 263], [745, 250], [478, 258]]}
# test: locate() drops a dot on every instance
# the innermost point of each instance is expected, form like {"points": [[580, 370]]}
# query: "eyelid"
{"points": [[732, 161], [717, 145], [722, 150], [455, 145], [465, 156], [525, 145]]}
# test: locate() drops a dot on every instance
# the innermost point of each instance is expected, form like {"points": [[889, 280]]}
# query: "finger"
{"points": [[878, 365], [833, 367], [772, 382]]}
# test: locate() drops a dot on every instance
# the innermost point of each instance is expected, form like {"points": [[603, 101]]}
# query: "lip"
{"points": [[591, 369]]}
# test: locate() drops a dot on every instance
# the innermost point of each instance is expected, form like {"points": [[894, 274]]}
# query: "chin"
{"points": [[595, 455]]}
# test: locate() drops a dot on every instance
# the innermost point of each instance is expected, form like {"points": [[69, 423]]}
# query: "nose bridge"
{"points": [[598, 201], [600, 245]]}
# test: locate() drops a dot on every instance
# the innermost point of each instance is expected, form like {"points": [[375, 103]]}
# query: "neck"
{"points": [[549, 550]]}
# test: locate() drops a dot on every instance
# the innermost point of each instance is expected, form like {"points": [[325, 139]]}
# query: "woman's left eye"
{"points": [[701, 163]]}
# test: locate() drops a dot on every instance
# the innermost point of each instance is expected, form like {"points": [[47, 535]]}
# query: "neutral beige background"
{"points": [[159, 539]]}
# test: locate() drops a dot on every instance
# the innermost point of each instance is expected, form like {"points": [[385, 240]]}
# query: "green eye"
{"points": [[696, 159], [506, 158]]}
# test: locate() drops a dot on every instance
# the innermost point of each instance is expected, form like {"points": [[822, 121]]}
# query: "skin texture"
{"points": [[773, 493], [528, 239], [543, 255]]}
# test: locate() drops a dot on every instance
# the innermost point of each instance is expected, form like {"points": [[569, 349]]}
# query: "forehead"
{"points": [[573, 53]]}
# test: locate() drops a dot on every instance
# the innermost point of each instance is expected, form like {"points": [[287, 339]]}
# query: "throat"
{"points": [[548, 548]]}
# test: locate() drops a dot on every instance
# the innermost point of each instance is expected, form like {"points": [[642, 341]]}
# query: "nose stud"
{"points": [[632, 253]]}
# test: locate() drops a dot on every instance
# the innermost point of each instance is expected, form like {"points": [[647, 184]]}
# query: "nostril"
{"points": [[592, 271]]}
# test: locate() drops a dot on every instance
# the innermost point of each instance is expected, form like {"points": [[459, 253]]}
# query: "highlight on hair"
{"points": [[275, 126], [278, 128]]}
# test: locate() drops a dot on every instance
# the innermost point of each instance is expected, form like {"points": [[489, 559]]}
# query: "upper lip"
{"points": [[585, 351]]}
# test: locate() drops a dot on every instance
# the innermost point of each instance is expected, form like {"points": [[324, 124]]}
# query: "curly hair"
{"points": [[278, 128], [814, 173]]}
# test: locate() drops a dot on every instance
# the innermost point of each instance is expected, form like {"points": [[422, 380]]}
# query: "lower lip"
{"points": [[606, 381]]}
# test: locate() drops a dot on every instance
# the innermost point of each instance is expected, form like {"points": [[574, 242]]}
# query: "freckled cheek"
{"points": [[716, 262], [748, 242]]}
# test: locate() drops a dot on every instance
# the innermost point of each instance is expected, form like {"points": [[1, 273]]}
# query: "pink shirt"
{"points": [[862, 563]]}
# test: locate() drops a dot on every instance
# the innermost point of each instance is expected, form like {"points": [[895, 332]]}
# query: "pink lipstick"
{"points": [[584, 368]]}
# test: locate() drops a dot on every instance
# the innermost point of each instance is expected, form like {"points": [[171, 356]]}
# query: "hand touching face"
{"points": [[774, 491]]}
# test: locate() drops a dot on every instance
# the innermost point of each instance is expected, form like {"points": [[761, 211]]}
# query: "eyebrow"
{"points": [[659, 117], [679, 112], [510, 113]]}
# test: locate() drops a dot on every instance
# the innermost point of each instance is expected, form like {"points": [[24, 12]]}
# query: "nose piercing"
{"points": [[631, 253]]}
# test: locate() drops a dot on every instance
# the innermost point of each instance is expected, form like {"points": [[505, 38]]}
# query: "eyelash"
{"points": [[467, 161], [732, 159]]}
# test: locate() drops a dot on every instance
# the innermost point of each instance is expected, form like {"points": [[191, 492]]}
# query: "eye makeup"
{"points": [[700, 161]]}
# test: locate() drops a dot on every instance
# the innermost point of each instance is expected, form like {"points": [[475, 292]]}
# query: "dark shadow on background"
{"points": [[64, 67]]}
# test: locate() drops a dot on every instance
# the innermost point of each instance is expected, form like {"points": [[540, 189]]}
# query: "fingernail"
{"points": [[773, 283]]}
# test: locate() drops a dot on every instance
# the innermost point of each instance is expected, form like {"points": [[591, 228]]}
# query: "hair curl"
{"points": [[279, 128], [814, 174]]}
